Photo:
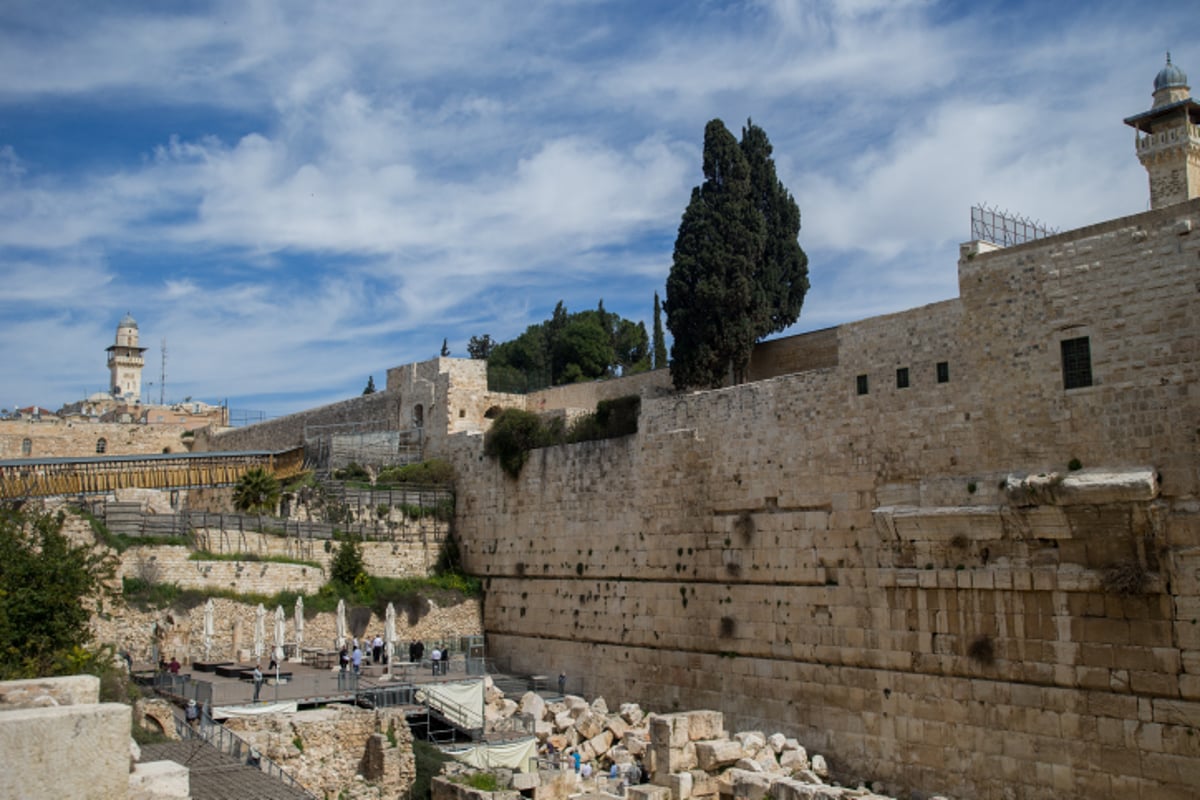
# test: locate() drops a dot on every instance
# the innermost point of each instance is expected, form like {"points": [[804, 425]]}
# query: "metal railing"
{"points": [[229, 743]]}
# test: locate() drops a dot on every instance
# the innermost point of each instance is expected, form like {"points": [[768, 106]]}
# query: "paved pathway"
{"points": [[217, 776]]}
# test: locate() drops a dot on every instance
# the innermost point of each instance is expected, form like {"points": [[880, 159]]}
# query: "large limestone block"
{"points": [[777, 742], [632, 713], [523, 781], [645, 791], [96, 738], [790, 789], [669, 730], [589, 724], [617, 725], [680, 784], [600, 743], [575, 704], [716, 754], [599, 706], [68, 690], [705, 724], [159, 780], [794, 760], [564, 721], [748, 785], [752, 741], [635, 742], [666, 760], [533, 705]]}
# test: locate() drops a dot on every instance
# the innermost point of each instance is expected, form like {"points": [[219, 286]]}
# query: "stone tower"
{"points": [[125, 362], [1168, 139]]}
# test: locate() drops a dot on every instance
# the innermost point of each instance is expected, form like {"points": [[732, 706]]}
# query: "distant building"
{"points": [[125, 362]]}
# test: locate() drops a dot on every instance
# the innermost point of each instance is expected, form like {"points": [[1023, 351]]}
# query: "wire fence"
{"points": [[1005, 229]]}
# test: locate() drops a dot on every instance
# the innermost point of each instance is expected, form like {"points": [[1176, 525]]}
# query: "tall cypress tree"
{"points": [[660, 345], [711, 291], [781, 276]]}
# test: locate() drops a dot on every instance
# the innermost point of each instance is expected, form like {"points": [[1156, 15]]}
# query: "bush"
{"points": [[433, 471], [429, 761], [352, 472], [512, 436]]}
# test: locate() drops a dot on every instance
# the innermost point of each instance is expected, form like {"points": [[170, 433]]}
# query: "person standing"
{"points": [[356, 659], [562, 683], [258, 678], [435, 660], [192, 714], [377, 649]]}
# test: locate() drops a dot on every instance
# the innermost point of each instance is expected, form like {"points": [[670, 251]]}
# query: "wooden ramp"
{"points": [[48, 477]]}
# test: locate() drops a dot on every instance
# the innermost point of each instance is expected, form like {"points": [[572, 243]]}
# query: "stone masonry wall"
{"points": [[912, 578], [287, 432], [55, 438]]}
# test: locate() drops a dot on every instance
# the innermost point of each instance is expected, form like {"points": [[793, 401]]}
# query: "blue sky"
{"points": [[298, 195]]}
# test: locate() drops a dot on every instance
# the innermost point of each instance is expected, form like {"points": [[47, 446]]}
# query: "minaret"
{"points": [[125, 362], [1168, 139]]}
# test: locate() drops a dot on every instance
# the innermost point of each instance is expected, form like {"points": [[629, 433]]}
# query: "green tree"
{"points": [[781, 275], [347, 565], [660, 344], [583, 349], [47, 586], [445, 348], [480, 347], [370, 385], [257, 491], [711, 299], [512, 435]]}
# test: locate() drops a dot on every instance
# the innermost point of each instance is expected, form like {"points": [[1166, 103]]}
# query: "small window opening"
{"points": [[26, 446], [902, 378], [101, 445], [862, 384], [943, 372], [1076, 363]]}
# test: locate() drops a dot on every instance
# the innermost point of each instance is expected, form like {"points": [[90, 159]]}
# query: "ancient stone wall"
{"points": [[171, 564], [287, 432], [902, 568], [55, 438]]}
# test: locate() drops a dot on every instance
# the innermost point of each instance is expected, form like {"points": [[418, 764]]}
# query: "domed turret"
{"points": [[1170, 85], [127, 321], [1168, 139]]}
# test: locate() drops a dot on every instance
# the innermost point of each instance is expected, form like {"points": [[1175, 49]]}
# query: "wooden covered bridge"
{"points": [[72, 476]]}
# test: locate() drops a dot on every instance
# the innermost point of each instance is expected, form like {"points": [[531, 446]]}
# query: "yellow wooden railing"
{"points": [[23, 478]]}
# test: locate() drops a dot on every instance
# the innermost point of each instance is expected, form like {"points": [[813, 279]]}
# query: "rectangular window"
{"points": [[1076, 363], [902, 378], [862, 384], [943, 372]]}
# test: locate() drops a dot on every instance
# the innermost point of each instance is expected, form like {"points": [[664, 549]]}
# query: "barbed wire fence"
{"points": [[1004, 228]]}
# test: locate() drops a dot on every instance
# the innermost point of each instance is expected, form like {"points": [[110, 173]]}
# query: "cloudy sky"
{"points": [[295, 196]]}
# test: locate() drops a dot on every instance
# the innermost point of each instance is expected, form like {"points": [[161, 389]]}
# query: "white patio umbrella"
{"points": [[279, 634], [260, 632], [209, 613], [389, 636], [299, 628], [341, 624]]}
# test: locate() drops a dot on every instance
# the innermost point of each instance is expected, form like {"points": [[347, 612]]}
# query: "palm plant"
{"points": [[257, 490]]}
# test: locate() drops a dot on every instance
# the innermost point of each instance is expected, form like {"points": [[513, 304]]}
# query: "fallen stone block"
{"points": [[646, 791], [749, 765], [713, 755], [752, 741], [705, 724], [632, 713], [777, 742], [669, 730], [680, 784], [749, 785], [794, 760]]}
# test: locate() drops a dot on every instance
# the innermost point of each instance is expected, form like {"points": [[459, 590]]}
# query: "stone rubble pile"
{"points": [[684, 756]]}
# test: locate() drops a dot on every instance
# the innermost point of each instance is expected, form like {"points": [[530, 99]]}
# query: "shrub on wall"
{"points": [[431, 471], [516, 432], [512, 436]]}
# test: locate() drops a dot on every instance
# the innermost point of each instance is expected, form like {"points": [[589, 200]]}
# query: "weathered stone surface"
{"points": [[789, 789], [159, 780], [749, 765], [589, 724], [647, 791], [618, 726], [713, 755], [670, 730], [820, 767], [777, 742], [680, 784], [705, 724], [751, 741], [794, 760], [533, 705], [632, 713], [748, 785]]}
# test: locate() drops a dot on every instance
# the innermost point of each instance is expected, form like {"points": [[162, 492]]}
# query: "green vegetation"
{"points": [[480, 781], [353, 473], [515, 432], [347, 566], [429, 765], [738, 272], [256, 491], [567, 348], [205, 555], [659, 344], [433, 471], [46, 586]]}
